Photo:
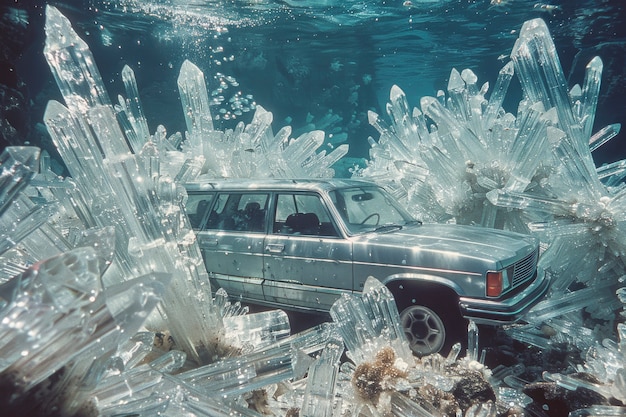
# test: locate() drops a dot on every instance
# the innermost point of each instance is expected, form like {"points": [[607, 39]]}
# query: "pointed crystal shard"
{"points": [[472, 341], [604, 135], [613, 174], [260, 134], [457, 95], [516, 200], [331, 159], [195, 102], [169, 362], [541, 75], [467, 142], [497, 96], [136, 116], [72, 64], [590, 94], [256, 330], [134, 350], [319, 395], [69, 281], [58, 295], [383, 311], [470, 79], [246, 373], [455, 82], [388, 135], [18, 165], [398, 110], [76, 145], [528, 150], [301, 148]]}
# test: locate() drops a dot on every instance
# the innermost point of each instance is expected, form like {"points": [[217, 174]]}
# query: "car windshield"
{"points": [[369, 208]]}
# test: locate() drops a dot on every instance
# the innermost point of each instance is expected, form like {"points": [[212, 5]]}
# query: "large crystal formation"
{"points": [[463, 158], [117, 188], [253, 150], [86, 259], [57, 317]]}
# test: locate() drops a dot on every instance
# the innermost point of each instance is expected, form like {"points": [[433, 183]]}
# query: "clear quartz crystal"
{"points": [[590, 94], [547, 84], [18, 164], [256, 330], [65, 291], [72, 64], [21, 220], [371, 322], [135, 110], [563, 305], [319, 397], [404, 407], [529, 148], [604, 135], [472, 341], [126, 198], [499, 92], [195, 101]]}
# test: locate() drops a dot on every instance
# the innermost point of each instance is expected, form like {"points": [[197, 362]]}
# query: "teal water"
{"points": [[313, 64]]}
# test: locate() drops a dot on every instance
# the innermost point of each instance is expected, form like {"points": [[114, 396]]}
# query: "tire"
{"points": [[429, 330], [424, 330]]}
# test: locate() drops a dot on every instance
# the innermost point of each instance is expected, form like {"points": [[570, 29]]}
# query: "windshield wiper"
{"points": [[412, 222], [387, 228]]}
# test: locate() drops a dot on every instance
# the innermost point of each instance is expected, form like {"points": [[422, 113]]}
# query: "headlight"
{"points": [[495, 282], [498, 281]]}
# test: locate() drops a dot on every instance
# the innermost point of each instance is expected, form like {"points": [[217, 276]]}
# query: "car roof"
{"points": [[275, 184]]}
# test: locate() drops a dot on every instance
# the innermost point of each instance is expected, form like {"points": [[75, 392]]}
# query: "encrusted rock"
{"points": [[559, 402], [472, 388], [372, 378]]}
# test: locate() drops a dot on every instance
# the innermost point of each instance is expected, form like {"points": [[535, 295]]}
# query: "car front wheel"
{"points": [[424, 329]]}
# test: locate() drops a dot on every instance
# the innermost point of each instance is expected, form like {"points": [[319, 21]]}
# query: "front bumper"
{"points": [[506, 310]]}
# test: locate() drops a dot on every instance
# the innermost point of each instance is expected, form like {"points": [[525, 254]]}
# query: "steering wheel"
{"points": [[369, 217]]}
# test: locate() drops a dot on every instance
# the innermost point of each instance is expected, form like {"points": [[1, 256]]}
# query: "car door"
{"points": [[231, 239], [308, 264]]}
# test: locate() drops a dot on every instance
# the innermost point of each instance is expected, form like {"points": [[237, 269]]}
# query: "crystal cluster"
{"points": [[462, 158], [105, 304]]}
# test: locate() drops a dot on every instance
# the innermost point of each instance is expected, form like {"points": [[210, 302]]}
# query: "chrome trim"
{"points": [[418, 268]]}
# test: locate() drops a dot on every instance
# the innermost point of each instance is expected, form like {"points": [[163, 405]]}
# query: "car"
{"points": [[299, 244]]}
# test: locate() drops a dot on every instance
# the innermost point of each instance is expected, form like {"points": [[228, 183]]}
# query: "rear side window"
{"points": [[302, 214], [197, 208], [244, 212]]}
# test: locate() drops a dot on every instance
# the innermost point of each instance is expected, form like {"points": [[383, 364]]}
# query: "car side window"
{"points": [[302, 214], [244, 212], [197, 208]]}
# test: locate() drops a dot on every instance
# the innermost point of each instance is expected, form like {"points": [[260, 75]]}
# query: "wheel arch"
{"points": [[421, 287], [437, 294]]}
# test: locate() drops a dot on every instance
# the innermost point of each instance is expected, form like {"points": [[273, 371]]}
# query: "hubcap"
{"points": [[424, 330]]}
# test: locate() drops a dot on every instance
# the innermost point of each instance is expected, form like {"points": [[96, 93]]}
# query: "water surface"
{"points": [[321, 64]]}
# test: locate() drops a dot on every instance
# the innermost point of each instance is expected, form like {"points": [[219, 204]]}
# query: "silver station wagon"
{"points": [[300, 244]]}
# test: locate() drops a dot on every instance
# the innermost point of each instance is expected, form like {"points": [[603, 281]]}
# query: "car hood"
{"points": [[444, 245]]}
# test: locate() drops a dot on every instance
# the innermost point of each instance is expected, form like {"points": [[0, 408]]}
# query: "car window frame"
{"points": [[200, 225], [323, 204], [236, 211]]}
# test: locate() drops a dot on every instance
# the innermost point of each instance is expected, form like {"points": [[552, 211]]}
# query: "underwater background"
{"points": [[313, 64]]}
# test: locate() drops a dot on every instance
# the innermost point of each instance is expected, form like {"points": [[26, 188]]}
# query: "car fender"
{"points": [[410, 278]]}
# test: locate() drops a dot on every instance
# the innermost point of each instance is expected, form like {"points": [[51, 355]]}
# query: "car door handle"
{"points": [[207, 241], [275, 247]]}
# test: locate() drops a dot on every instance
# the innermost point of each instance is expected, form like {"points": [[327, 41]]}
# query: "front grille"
{"points": [[524, 269]]}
